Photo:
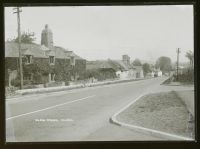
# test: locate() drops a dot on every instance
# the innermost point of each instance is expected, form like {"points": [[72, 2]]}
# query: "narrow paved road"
{"points": [[76, 115]]}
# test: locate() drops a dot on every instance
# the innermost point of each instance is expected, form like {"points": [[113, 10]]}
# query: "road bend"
{"points": [[76, 115]]}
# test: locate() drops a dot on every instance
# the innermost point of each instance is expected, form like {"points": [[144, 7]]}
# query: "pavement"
{"points": [[64, 88], [77, 115]]}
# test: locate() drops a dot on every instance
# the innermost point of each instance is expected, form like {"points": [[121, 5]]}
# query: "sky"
{"points": [[102, 32]]}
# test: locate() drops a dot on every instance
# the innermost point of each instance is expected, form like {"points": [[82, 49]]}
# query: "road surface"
{"points": [[76, 115]]}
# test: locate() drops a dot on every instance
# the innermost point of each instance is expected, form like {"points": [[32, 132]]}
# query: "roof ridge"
{"points": [[11, 50]]}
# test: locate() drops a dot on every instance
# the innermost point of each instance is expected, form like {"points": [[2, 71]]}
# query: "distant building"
{"points": [[127, 70], [121, 69], [101, 70], [138, 71], [157, 72], [42, 63]]}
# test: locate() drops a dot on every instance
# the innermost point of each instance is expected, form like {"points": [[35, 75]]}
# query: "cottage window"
{"points": [[29, 59], [28, 77], [51, 59], [72, 61]]}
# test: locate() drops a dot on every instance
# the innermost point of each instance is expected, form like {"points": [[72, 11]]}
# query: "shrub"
{"points": [[54, 84], [16, 82], [66, 83], [187, 76], [10, 90]]}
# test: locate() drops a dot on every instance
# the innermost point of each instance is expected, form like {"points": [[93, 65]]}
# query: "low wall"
{"points": [[62, 88]]}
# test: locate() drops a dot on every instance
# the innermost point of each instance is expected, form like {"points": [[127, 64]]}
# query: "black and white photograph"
{"points": [[99, 73]]}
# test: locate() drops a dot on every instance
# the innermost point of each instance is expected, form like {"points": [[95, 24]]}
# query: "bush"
{"points": [[37, 78], [187, 76], [66, 83], [16, 82], [10, 90], [29, 86], [54, 84]]}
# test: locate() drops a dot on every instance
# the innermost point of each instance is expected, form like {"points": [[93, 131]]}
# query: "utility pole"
{"points": [[178, 52], [17, 10]]}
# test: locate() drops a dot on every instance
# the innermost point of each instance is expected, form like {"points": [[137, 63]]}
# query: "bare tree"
{"points": [[26, 37], [190, 56]]}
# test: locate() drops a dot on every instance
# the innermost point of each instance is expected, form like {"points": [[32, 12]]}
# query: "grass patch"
{"points": [[160, 111]]}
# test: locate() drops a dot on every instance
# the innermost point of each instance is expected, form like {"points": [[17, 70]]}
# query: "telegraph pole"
{"points": [[178, 52], [18, 10]]}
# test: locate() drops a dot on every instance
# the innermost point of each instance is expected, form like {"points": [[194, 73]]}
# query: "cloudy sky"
{"points": [[102, 32]]}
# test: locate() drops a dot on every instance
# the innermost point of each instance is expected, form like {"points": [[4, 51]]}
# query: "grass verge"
{"points": [[159, 111]]}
